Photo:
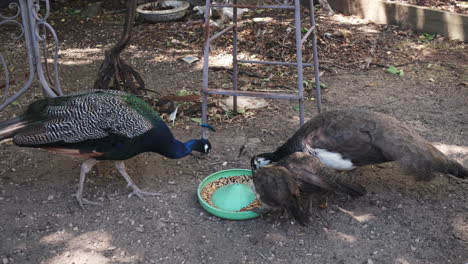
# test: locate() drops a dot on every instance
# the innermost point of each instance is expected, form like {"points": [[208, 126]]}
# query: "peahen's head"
{"points": [[277, 189], [261, 160]]}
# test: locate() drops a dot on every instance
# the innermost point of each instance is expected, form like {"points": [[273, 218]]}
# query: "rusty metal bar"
{"points": [[7, 78], [25, 32], [318, 94], [299, 59], [307, 34], [255, 6], [235, 69], [206, 54], [254, 94], [300, 68], [275, 63], [31, 21], [217, 35]]}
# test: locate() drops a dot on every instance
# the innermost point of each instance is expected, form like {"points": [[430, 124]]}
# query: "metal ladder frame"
{"points": [[30, 29], [300, 40]]}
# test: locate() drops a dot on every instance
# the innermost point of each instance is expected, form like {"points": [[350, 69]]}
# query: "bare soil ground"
{"points": [[399, 220]]}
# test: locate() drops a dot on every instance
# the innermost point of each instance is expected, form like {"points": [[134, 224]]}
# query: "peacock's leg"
{"points": [[86, 167], [136, 191]]}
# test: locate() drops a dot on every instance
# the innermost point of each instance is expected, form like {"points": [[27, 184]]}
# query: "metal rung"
{"points": [[299, 63], [254, 94], [307, 34], [275, 63], [217, 35], [254, 6]]}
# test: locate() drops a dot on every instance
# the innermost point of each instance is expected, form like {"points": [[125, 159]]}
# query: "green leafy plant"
{"points": [[183, 92], [323, 85], [196, 120], [73, 11], [426, 37], [394, 70]]}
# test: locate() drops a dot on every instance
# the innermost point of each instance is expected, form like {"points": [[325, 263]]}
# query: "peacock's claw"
{"points": [[82, 201], [137, 192]]}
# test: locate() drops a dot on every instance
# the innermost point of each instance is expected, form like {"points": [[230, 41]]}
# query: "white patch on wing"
{"points": [[333, 160], [207, 148]]}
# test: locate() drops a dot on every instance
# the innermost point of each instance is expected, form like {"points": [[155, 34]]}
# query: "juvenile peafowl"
{"points": [[98, 125], [292, 182], [346, 139]]}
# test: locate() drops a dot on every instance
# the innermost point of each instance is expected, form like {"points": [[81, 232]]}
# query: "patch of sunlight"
{"points": [[221, 60], [455, 26], [333, 234], [362, 218], [89, 248], [452, 149], [79, 56], [420, 18], [57, 237], [352, 20], [96, 240], [224, 60], [79, 256], [170, 55], [401, 260], [460, 227]]}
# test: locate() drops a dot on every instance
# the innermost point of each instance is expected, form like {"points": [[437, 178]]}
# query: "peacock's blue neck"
{"points": [[178, 149], [161, 140]]}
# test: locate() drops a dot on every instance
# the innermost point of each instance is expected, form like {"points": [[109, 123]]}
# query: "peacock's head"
{"points": [[203, 146]]}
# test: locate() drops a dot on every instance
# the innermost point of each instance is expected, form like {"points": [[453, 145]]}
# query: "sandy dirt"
{"points": [[399, 220]]}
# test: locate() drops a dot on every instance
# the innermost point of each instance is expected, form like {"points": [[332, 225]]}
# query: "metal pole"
{"points": [[22, 7], [234, 57], [299, 64], [318, 94], [300, 70], [31, 20], [206, 53]]}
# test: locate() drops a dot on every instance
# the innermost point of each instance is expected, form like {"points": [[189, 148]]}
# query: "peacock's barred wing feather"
{"points": [[86, 115]]}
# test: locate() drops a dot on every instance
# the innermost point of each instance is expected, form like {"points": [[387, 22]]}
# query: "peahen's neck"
{"points": [[289, 147]]}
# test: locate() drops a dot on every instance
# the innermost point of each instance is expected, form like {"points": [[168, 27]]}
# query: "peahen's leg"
{"points": [[136, 191], [353, 175], [86, 167]]}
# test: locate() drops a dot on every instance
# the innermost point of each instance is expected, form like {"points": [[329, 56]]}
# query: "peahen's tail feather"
{"points": [[456, 169], [354, 190], [9, 127], [424, 166]]}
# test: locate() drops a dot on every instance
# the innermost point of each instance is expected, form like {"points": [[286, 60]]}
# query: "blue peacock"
{"points": [[98, 125]]}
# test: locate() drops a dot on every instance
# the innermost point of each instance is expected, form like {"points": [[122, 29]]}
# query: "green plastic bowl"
{"points": [[229, 198]]}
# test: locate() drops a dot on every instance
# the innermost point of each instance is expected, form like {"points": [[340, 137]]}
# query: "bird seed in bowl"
{"points": [[210, 188]]}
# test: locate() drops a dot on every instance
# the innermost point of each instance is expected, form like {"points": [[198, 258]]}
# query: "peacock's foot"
{"points": [[82, 201], [137, 192]]}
